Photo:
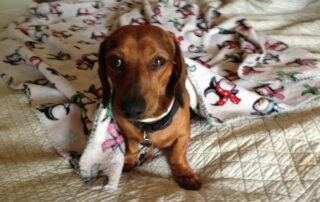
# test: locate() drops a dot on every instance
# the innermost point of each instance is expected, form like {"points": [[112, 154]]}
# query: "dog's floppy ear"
{"points": [[179, 76], [106, 90]]}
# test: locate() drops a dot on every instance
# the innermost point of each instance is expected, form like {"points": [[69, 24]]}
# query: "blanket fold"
{"points": [[234, 72]]}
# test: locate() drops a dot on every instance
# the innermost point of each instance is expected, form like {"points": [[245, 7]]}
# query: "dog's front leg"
{"points": [[181, 170], [131, 154]]}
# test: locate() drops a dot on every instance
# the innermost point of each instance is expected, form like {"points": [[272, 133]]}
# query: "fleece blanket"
{"points": [[53, 52]]}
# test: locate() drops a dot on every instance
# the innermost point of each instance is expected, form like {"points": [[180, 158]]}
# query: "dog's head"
{"points": [[144, 67]]}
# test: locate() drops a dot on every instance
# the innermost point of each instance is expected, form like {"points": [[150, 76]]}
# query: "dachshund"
{"points": [[143, 75]]}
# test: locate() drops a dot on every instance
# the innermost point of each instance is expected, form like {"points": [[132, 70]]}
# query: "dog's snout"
{"points": [[133, 108]]}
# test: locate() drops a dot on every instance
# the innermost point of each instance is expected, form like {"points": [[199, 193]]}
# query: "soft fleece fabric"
{"points": [[53, 51]]}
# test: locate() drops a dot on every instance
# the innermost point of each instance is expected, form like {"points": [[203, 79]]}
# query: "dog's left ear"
{"points": [[179, 76], [106, 90]]}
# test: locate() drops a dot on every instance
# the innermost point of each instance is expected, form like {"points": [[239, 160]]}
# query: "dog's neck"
{"points": [[152, 120], [158, 123]]}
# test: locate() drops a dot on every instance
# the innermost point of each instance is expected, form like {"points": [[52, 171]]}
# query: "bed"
{"points": [[250, 160]]}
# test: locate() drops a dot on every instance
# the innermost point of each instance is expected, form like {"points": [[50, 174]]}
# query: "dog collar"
{"points": [[162, 121], [146, 145]]}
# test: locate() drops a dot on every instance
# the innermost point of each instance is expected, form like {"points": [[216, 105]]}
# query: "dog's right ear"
{"points": [[106, 90]]}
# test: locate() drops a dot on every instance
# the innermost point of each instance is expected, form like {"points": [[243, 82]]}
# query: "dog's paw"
{"points": [[189, 182], [127, 167], [74, 159], [97, 183]]}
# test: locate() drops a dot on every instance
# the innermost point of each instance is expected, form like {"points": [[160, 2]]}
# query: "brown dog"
{"points": [[143, 71]]}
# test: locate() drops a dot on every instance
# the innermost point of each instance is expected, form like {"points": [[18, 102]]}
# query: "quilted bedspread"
{"points": [[265, 159]]}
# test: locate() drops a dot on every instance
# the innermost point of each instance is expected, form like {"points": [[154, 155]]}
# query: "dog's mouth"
{"points": [[136, 112], [133, 107], [161, 116], [149, 125]]}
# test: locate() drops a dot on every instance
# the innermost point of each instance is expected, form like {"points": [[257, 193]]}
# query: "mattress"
{"points": [[251, 160]]}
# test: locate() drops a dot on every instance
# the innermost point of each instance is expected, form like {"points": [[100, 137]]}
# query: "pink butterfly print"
{"points": [[275, 93], [250, 48], [308, 62], [117, 140], [266, 90]]}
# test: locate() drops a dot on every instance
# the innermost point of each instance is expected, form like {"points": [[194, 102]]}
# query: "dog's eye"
{"points": [[157, 63], [116, 62]]}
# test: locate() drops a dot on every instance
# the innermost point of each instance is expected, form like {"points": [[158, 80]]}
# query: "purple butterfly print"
{"points": [[117, 140]]}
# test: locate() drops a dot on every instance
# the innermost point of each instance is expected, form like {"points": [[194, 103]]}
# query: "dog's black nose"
{"points": [[133, 108]]}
